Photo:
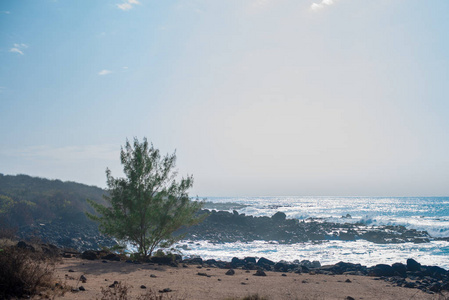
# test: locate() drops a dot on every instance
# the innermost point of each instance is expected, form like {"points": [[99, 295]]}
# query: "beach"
{"points": [[199, 282]]}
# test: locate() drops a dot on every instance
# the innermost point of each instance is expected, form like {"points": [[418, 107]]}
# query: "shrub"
{"points": [[23, 272]]}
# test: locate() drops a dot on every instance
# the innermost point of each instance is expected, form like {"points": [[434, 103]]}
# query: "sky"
{"points": [[257, 97]]}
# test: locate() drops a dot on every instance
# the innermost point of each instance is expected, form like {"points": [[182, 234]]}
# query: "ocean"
{"points": [[421, 213]]}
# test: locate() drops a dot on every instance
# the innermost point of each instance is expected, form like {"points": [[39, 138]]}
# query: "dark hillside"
{"points": [[26, 200]]}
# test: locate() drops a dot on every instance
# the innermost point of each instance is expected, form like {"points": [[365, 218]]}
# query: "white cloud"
{"points": [[18, 48], [322, 4], [104, 72], [127, 4]]}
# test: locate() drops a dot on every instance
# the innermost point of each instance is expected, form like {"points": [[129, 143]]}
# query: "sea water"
{"points": [[422, 213]]}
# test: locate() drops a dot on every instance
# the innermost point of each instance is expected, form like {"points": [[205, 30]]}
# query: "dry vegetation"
{"points": [[23, 272], [120, 292]]}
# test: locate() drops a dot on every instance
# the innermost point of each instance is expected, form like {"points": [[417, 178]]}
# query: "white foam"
{"points": [[363, 252]]}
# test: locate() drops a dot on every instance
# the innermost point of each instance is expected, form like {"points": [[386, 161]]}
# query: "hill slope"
{"points": [[51, 210], [26, 200]]}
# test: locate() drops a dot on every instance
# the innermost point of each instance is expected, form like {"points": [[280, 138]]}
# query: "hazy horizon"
{"points": [[258, 97]]}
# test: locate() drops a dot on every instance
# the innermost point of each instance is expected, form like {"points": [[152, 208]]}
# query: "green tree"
{"points": [[148, 205]]}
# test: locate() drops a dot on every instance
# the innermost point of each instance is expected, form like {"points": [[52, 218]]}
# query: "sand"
{"points": [[185, 283]]}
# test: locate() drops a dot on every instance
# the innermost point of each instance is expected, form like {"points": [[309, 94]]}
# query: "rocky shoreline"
{"points": [[77, 236], [411, 274], [223, 226]]}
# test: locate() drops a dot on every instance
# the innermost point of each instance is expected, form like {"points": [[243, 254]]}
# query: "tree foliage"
{"points": [[148, 205]]}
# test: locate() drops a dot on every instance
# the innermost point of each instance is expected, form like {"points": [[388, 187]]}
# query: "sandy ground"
{"points": [[185, 283]]}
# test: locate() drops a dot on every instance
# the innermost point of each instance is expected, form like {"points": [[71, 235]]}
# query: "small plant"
{"points": [[118, 292], [153, 295]]}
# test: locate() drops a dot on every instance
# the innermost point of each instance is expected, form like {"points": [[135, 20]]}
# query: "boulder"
{"points": [[413, 265], [230, 272], [410, 284], [400, 269], [264, 261], [211, 262], [435, 287], [381, 270], [250, 260], [23, 245], [236, 262], [315, 264], [342, 267], [194, 261], [163, 260], [282, 267], [435, 271], [111, 256], [89, 254], [259, 273], [279, 216]]}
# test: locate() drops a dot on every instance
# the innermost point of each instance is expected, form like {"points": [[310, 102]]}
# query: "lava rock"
{"points": [[23, 245], [279, 216], [111, 256], [413, 265], [230, 272], [259, 273], [194, 261], [400, 269], [381, 270], [89, 255], [265, 262]]}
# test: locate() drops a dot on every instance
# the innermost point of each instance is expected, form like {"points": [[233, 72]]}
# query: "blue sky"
{"points": [[258, 97]]}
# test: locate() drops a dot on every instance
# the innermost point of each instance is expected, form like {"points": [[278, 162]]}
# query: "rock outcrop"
{"points": [[222, 226]]}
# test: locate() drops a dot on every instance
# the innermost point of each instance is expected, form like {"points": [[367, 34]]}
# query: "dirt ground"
{"points": [[187, 283]]}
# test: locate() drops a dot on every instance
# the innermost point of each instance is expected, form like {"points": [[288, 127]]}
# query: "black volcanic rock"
{"points": [[381, 270], [89, 255], [342, 267], [223, 227], [399, 269], [111, 256], [279, 216], [265, 263], [250, 260], [413, 265], [260, 273], [230, 272]]}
